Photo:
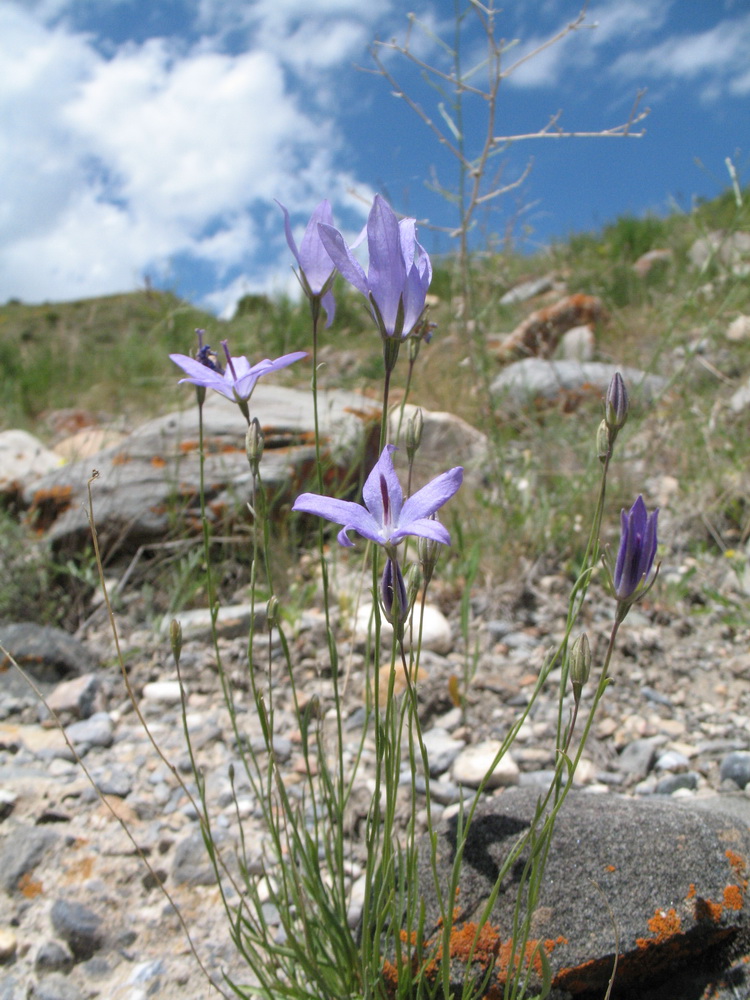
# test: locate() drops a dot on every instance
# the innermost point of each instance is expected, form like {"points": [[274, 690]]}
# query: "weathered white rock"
{"points": [[442, 749], [152, 477], [233, 620], [532, 379], [436, 630], [739, 328], [23, 460], [473, 763], [527, 290], [447, 440], [163, 692], [577, 344]]}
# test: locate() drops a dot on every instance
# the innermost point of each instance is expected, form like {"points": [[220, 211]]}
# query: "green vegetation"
{"points": [[108, 356]]}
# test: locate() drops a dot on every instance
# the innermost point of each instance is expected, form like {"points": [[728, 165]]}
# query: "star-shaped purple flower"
{"points": [[238, 380], [635, 556], [385, 518], [316, 269], [399, 272]]}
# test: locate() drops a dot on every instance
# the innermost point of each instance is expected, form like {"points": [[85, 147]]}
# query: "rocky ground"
{"points": [[81, 914]]}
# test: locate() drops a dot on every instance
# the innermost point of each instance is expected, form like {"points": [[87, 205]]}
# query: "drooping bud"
{"points": [[580, 664], [414, 428], [272, 612], [175, 639], [254, 440], [616, 403], [428, 551]]}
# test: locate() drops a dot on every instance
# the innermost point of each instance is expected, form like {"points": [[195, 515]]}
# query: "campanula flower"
{"points": [[635, 556], [316, 269], [385, 518], [237, 381], [399, 272]]}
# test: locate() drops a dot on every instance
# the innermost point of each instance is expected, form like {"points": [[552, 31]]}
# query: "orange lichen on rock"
{"points": [[664, 924], [158, 462], [691, 891], [706, 909], [738, 866], [48, 504], [733, 897], [29, 887], [122, 458]]}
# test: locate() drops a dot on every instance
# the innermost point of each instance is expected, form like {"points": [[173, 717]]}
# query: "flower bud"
{"points": [[580, 664], [603, 441], [616, 403], [254, 440], [394, 597], [175, 639], [428, 551], [414, 428], [272, 612]]}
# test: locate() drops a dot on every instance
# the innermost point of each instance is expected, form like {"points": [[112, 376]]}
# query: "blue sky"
{"points": [[147, 139]]}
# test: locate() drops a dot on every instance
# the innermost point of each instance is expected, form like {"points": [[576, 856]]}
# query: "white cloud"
{"points": [[715, 59], [116, 167]]}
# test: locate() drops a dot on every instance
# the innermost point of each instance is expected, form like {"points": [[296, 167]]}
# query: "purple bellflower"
{"points": [[399, 272], [635, 557], [316, 269], [237, 381], [385, 517]]}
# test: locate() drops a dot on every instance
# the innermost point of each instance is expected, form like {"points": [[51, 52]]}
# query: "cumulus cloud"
{"points": [[124, 162], [716, 59]]}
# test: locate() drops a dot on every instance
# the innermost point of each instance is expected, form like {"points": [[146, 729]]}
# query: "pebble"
{"points": [[736, 767], [164, 692], [78, 926], [441, 749], [472, 764], [8, 944], [97, 731]]}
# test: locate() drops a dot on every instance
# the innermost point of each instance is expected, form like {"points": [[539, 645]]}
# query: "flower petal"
{"points": [[353, 516], [431, 497], [425, 527], [313, 256], [386, 274], [372, 492], [347, 265]]}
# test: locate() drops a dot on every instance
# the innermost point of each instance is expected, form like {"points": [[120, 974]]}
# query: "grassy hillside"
{"points": [[108, 356]]}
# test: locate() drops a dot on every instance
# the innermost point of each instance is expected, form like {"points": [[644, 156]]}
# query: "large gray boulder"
{"points": [[148, 484], [536, 380], [661, 885]]}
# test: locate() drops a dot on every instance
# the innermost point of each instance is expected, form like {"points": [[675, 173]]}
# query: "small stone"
{"points": [[472, 764], [671, 760], [441, 749], [56, 986], [78, 698], [191, 865], [8, 944], [736, 767], [8, 801], [98, 731], [21, 851], [436, 630], [53, 957], [114, 781], [637, 758], [78, 926], [672, 783], [164, 692]]}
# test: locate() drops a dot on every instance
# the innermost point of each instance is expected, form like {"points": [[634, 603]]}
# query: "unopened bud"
{"points": [[616, 403], [580, 664], [428, 550], [414, 428], [175, 638], [394, 597], [272, 612], [603, 442], [254, 440]]}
